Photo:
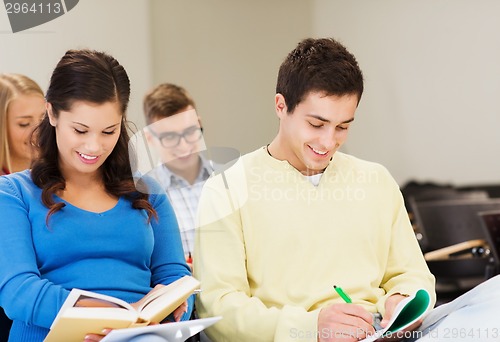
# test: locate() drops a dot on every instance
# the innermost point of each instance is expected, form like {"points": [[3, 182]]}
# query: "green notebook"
{"points": [[407, 312]]}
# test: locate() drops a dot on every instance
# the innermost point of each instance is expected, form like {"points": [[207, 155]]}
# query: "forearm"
{"points": [[24, 294], [32, 300], [220, 266], [247, 319]]}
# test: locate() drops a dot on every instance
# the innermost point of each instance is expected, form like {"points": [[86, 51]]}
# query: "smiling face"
{"points": [[86, 135], [24, 113], [318, 126], [180, 154]]}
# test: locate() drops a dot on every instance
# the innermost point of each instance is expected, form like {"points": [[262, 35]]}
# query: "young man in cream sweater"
{"points": [[292, 219]]}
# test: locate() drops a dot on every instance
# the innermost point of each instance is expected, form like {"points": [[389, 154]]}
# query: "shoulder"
{"points": [[257, 158], [20, 185], [235, 170], [159, 174], [147, 184], [343, 161], [346, 168], [17, 181]]}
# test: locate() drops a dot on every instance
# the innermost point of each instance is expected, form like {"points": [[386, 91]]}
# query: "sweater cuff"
{"points": [[295, 324], [402, 290]]}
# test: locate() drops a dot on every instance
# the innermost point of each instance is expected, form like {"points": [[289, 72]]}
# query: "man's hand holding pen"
{"points": [[344, 322]]}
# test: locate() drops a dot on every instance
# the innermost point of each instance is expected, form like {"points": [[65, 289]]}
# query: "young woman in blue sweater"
{"points": [[76, 220]]}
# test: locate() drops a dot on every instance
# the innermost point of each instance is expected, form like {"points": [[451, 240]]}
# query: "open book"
{"points": [[407, 312], [86, 312]]}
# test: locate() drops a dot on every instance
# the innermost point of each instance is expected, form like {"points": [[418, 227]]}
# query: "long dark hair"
{"points": [[95, 77]]}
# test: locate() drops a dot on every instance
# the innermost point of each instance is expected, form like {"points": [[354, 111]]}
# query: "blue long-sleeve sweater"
{"points": [[116, 252]]}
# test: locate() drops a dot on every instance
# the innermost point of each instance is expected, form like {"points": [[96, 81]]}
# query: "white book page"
{"points": [[173, 294], [77, 294], [171, 332]]}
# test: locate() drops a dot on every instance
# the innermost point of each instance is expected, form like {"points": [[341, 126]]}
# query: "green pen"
{"points": [[377, 317], [342, 294]]}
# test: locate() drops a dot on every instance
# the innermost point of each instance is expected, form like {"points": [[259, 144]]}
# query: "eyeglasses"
{"points": [[172, 139]]}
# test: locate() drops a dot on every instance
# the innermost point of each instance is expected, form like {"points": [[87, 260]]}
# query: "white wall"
{"points": [[227, 53], [119, 27], [432, 74], [432, 67]]}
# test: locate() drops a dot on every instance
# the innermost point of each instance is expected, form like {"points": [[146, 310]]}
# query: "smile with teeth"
{"points": [[319, 152], [87, 157]]}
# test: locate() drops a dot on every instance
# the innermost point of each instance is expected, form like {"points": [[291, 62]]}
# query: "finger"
{"points": [[96, 337], [92, 338], [346, 321], [354, 326], [357, 311]]}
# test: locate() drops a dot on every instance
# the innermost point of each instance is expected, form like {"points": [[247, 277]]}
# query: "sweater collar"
{"points": [[270, 160]]}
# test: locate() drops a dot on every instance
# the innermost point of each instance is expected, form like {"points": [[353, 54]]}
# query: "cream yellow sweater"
{"points": [[271, 245]]}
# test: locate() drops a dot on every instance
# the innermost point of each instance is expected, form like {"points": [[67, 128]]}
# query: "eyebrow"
{"points": [[320, 118], [79, 123]]}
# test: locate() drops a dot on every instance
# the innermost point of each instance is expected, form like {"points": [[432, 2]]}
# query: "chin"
{"points": [[317, 167]]}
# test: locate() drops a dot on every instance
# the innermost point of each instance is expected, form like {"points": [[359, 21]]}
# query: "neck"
{"points": [[274, 150], [277, 151], [190, 174], [18, 164], [83, 181]]}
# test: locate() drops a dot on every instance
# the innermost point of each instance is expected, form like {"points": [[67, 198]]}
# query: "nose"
{"points": [[92, 143], [329, 139]]}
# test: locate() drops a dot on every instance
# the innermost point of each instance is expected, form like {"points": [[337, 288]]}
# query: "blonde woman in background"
{"points": [[22, 106]]}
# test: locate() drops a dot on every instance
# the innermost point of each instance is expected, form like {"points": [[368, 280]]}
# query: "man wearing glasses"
{"points": [[174, 131]]}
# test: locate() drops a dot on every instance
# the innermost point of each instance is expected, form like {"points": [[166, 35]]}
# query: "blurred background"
{"points": [[430, 111]]}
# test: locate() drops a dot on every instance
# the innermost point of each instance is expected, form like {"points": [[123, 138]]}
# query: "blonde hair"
{"points": [[11, 86]]}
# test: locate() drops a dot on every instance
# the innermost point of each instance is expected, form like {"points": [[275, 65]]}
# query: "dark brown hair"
{"points": [[318, 65], [95, 77]]}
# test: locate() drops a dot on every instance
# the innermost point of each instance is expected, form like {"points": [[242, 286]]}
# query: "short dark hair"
{"points": [[318, 65], [94, 77], [166, 100]]}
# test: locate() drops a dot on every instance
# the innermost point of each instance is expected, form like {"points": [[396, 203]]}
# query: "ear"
{"points": [[149, 137], [280, 105], [52, 118]]}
